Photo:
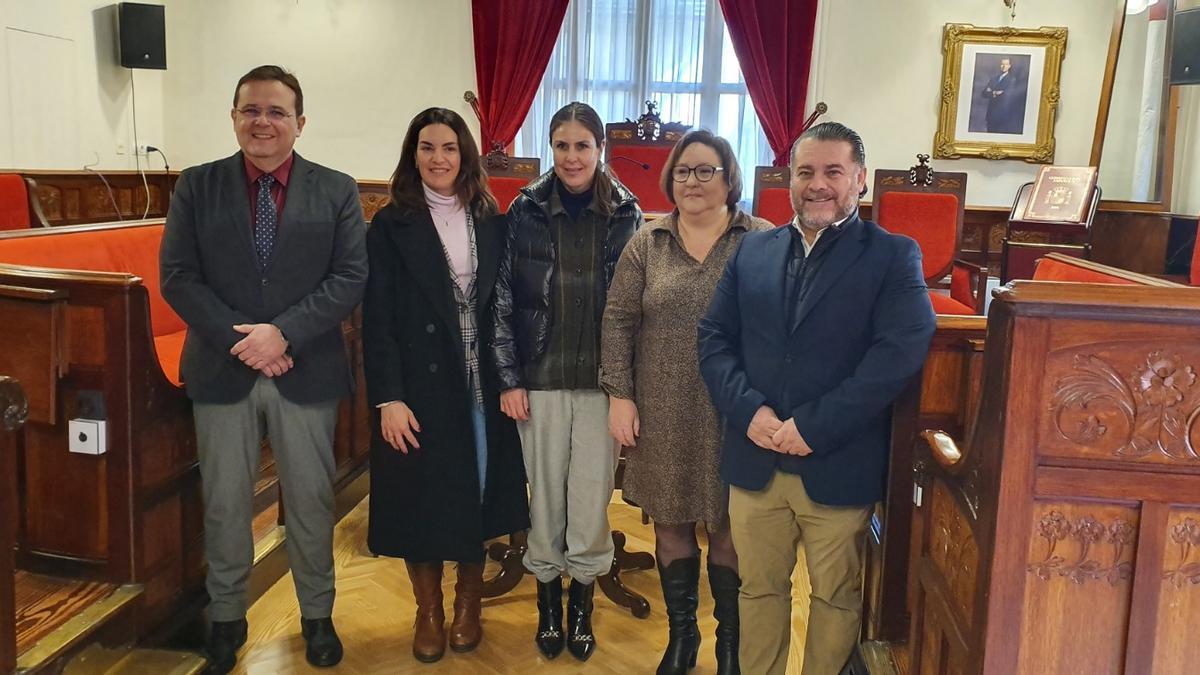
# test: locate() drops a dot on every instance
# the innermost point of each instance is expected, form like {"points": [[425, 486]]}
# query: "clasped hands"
{"points": [[263, 349], [770, 433]]}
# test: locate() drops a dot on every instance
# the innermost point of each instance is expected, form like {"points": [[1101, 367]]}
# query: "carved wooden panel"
{"points": [[953, 549], [1132, 401], [74, 197], [1176, 649], [371, 203], [1078, 579]]}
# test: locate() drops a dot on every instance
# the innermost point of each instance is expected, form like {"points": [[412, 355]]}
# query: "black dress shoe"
{"points": [[581, 642], [324, 647], [550, 636], [225, 638]]}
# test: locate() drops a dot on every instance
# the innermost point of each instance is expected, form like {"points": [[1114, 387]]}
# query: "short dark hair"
{"points": [[269, 73], [834, 131], [732, 174], [471, 186]]}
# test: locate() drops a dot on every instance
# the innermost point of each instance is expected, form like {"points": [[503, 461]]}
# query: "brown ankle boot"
{"points": [[465, 630], [429, 636]]}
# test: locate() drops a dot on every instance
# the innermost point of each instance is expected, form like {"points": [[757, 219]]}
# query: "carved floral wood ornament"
{"points": [[1085, 534], [1150, 412], [1186, 535]]}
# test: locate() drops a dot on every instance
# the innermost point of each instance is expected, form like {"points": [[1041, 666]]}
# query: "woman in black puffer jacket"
{"points": [[566, 232]]}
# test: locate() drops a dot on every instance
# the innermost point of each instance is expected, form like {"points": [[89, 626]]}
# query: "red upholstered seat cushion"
{"points": [[775, 205], [642, 182], [169, 348], [505, 189], [944, 304], [130, 249], [960, 286], [14, 202], [1049, 269], [930, 219]]}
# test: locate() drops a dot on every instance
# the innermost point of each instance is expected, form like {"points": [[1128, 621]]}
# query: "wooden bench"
{"points": [[944, 397], [84, 321], [1059, 533]]}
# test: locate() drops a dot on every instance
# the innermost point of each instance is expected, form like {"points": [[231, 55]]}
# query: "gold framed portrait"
{"points": [[1000, 92]]}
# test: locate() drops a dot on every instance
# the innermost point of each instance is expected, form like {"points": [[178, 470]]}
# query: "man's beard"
{"points": [[812, 221]]}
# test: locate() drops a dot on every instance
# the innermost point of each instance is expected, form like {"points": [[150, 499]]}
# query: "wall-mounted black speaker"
{"points": [[1185, 47], [142, 34]]}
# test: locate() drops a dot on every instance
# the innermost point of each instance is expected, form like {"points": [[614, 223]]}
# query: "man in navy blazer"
{"points": [[263, 255], [814, 330]]}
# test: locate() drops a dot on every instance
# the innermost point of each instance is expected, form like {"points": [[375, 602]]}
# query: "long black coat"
{"points": [[425, 505]]}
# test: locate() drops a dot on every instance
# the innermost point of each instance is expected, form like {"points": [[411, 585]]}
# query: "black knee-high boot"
{"points": [[680, 580], [725, 585]]}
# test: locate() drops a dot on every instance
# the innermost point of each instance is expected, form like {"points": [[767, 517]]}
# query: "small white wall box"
{"points": [[87, 437]]}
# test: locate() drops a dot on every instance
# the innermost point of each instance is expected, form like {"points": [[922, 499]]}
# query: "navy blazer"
{"points": [[863, 330]]}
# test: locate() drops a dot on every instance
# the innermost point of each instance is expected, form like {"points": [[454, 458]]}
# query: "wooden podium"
{"points": [[1069, 237]]}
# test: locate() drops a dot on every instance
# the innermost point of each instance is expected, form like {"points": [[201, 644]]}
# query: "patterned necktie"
{"points": [[265, 220]]}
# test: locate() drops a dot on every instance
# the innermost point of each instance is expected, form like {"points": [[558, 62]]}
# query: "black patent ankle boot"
{"points": [[549, 637], [581, 642]]}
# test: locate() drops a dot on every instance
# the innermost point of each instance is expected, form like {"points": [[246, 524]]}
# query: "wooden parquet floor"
{"points": [[374, 614], [45, 603]]}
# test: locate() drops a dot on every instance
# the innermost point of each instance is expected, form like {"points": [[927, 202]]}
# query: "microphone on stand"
{"points": [[645, 166]]}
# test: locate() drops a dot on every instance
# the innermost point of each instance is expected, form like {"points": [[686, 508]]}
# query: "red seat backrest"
{"points": [[14, 202], [642, 182], [929, 218], [1194, 277], [1051, 269], [775, 205], [505, 189], [133, 250]]}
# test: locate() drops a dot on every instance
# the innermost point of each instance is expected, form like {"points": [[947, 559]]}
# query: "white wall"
{"points": [[65, 101], [366, 68], [878, 65]]}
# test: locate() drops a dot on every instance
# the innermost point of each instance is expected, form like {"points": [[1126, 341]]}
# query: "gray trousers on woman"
{"points": [[570, 461], [228, 438]]}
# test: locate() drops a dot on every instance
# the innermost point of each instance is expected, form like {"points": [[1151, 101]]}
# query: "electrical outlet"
{"points": [[121, 148], [141, 150]]}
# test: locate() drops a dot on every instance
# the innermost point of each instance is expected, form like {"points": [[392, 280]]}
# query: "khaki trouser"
{"points": [[767, 526]]}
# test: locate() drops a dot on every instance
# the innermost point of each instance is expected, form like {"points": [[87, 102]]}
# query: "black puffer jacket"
{"points": [[523, 309]]}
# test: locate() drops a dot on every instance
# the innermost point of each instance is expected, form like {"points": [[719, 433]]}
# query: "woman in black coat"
{"points": [[446, 468]]}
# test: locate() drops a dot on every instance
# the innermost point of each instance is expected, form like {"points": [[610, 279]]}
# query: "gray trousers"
{"points": [[570, 461], [228, 438]]}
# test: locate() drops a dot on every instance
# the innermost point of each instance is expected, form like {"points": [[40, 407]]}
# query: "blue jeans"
{"points": [[479, 422]]}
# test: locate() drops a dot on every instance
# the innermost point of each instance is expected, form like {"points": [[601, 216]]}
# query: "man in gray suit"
{"points": [[263, 255]]}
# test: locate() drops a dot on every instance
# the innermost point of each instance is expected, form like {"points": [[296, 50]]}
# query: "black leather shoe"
{"points": [[679, 585], [549, 637], [324, 647], [581, 642], [224, 640]]}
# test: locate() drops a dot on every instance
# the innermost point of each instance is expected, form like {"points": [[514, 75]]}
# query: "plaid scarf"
{"points": [[465, 301]]}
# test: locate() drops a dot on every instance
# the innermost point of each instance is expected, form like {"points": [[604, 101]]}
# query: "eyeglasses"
{"points": [[274, 114], [704, 173]]}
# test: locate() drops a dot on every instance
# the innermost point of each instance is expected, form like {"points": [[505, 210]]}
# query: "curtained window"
{"points": [[615, 54]]}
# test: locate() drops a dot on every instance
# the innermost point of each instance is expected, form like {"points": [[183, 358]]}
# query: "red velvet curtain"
{"points": [[513, 43], [773, 41]]}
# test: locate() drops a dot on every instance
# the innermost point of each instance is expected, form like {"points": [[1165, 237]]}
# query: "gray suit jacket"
{"points": [[314, 279]]}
